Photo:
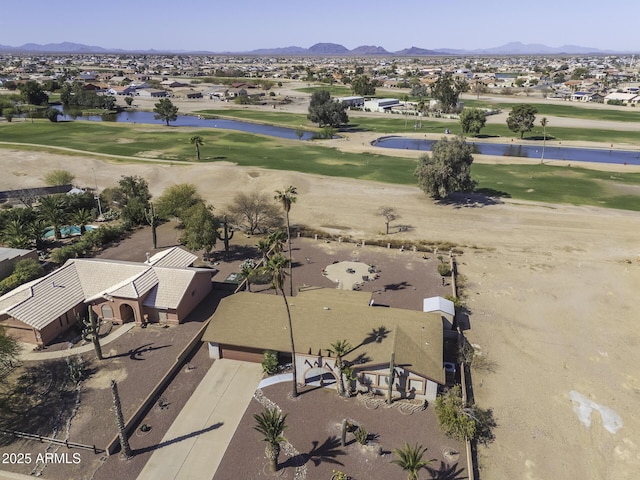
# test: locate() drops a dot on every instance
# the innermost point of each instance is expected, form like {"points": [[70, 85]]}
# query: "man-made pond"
{"points": [[534, 152], [189, 121]]}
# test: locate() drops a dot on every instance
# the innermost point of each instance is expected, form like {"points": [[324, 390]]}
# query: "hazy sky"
{"points": [[243, 25]]}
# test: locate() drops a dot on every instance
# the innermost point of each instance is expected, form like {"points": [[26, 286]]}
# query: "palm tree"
{"points": [[276, 241], [276, 267], [37, 229], [125, 449], [15, 234], [410, 459], [264, 246], [81, 218], [271, 424], [247, 268], [544, 122], [52, 211], [286, 198], [339, 348], [197, 141]]}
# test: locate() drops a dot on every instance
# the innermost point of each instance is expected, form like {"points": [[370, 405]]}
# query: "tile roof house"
{"points": [[246, 324], [164, 289]]}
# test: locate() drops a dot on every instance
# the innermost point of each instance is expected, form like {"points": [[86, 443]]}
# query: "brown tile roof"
{"points": [[322, 316]]}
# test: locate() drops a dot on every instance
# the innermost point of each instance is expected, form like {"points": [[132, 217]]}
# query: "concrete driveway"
{"points": [[197, 440]]}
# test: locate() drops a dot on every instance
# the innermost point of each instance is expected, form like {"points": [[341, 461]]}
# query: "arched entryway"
{"points": [[126, 313], [319, 376]]}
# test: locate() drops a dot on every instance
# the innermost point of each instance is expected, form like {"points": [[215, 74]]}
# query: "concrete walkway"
{"points": [[28, 354], [197, 440]]}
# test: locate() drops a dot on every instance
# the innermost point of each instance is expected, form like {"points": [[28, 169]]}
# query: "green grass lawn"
{"points": [[398, 124], [533, 182]]}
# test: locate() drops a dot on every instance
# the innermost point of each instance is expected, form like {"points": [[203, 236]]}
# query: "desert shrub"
{"points": [[444, 269], [270, 362]]}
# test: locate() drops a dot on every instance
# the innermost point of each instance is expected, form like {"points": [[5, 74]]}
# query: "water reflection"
{"points": [[524, 151]]}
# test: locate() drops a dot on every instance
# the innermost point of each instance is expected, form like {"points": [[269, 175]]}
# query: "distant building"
{"points": [[152, 92], [381, 104], [351, 101]]}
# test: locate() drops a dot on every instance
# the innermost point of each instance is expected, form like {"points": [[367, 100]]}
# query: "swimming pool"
{"points": [[68, 231]]}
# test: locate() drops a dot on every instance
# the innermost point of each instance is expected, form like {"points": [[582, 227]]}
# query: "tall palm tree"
{"points": [[544, 122], [271, 424], [339, 348], [52, 211], [197, 141], [81, 218], [276, 267], [410, 459], [264, 245], [287, 198]]}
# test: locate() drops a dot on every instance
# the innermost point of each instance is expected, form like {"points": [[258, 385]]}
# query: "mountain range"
{"points": [[324, 49]]}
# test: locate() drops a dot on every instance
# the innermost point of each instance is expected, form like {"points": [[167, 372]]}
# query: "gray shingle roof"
{"points": [[42, 301], [173, 257]]}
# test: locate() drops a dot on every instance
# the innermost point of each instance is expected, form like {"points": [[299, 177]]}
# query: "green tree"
{"points": [[33, 93], [176, 199], [15, 234], [419, 90], [287, 197], [128, 101], [197, 141], [463, 421], [472, 120], [59, 177], [340, 348], [200, 228], [447, 90], [271, 423], [9, 113], [166, 111], [521, 118], [81, 218], [52, 210], [9, 347], [325, 111], [24, 271], [277, 269], [132, 196], [410, 459], [363, 86], [52, 114], [447, 169]]}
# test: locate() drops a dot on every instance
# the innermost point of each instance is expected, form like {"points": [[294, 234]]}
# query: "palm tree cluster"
{"points": [[26, 227]]}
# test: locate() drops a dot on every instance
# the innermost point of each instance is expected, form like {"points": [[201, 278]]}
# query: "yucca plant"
{"points": [[410, 459], [271, 424]]}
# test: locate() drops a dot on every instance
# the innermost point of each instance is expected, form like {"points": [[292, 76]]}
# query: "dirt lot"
{"points": [[552, 290]]}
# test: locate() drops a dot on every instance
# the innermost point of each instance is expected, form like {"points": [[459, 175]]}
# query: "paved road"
{"points": [[195, 443]]}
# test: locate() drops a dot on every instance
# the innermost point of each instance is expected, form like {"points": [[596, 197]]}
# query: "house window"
{"points": [[107, 311], [416, 386]]}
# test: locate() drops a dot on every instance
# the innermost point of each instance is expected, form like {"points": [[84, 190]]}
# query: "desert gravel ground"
{"points": [[552, 290]]}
